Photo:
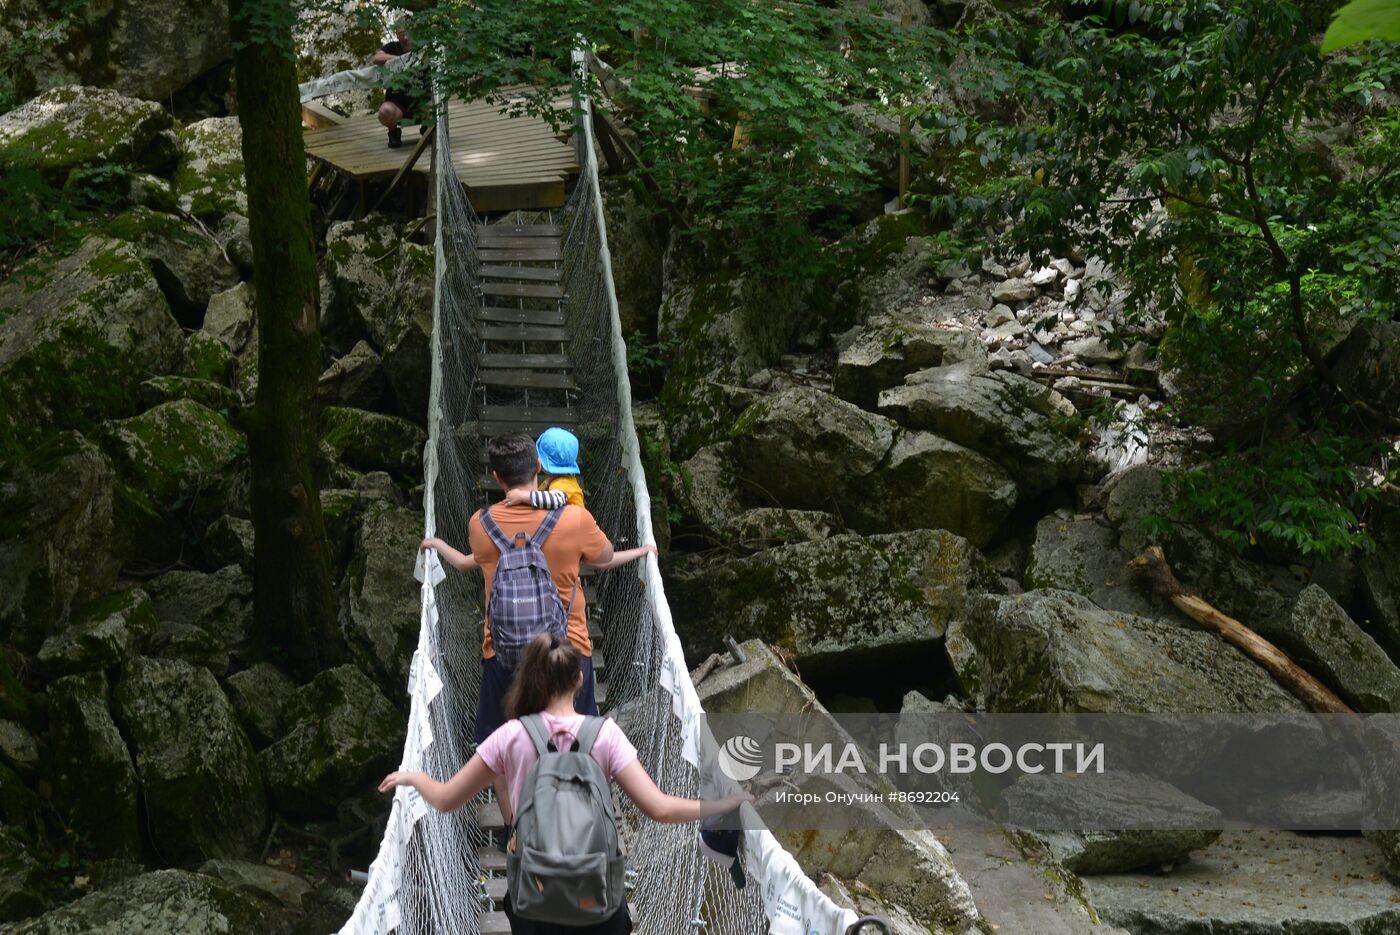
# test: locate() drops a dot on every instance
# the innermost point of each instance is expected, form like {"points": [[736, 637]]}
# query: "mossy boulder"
{"points": [[374, 282], [259, 694], [1004, 416], [408, 363], [1080, 553], [163, 901], [73, 127], [179, 460], [208, 359], [214, 396], [146, 50], [228, 541], [766, 527], [18, 749], [90, 769], [883, 267], [199, 776], [19, 806], [929, 482], [189, 266], [231, 319], [101, 635], [23, 880], [707, 489], [381, 610], [372, 441], [209, 184], [78, 336], [833, 600], [1053, 651], [879, 355], [57, 509], [342, 735], [219, 603], [356, 381]]}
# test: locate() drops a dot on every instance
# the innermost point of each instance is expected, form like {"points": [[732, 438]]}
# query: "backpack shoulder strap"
{"points": [[588, 733], [534, 726], [493, 531], [546, 527]]}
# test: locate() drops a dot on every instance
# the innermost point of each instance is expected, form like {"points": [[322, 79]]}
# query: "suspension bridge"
{"points": [[526, 335]]}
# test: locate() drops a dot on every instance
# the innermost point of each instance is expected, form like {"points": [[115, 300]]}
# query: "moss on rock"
{"points": [[102, 634], [372, 441], [74, 126]]}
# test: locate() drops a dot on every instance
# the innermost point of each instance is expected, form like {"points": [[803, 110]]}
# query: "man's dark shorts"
{"points": [[491, 703]]}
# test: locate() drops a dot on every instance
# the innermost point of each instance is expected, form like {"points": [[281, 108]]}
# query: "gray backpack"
{"points": [[567, 867]]}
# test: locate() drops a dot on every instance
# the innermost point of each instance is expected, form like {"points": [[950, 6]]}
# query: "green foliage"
{"points": [[1361, 20], [1305, 492]]}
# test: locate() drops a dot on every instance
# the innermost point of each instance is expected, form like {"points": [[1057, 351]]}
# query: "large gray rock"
{"points": [[93, 780], [102, 635], [164, 901], [880, 354], [331, 38], [355, 381], [230, 318], [833, 600], [189, 266], [56, 549], [706, 489], [637, 243], [219, 603], [1093, 799], [408, 363], [373, 281], [1368, 364], [1080, 553], [203, 794], [146, 50], [810, 450], [883, 267], [1325, 641], [23, 889], [1053, 651], [380, 614], [930, 482], [18, 749], [209, 183], [1000, 414], [766, 527], [342, 735], [372, 441], [1252, 882], [179, 461], [158, 391], [74, 127], [259, 693], [76, 342]]}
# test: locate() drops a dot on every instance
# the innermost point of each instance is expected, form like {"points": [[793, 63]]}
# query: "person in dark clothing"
{"points": [[398, 103]]}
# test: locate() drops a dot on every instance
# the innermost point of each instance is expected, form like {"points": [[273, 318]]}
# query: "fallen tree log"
{"points": [[1151, 566]]}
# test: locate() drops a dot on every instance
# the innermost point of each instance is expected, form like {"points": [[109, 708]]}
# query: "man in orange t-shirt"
{"points": [[576, 539]]}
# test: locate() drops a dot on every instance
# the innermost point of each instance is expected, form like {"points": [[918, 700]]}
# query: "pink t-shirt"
{"points": [[510, 752]]}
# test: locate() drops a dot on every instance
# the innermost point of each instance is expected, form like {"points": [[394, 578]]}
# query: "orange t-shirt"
{"points": [[576, 537]]}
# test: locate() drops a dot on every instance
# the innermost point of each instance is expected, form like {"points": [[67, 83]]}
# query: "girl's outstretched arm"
{"points": [[623, 557], [445, 796], [668, 809]]}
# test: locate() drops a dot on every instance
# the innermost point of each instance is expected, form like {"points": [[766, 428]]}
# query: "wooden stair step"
{"points": [[495, 889], [518, 290], [488, 816], [555, 414], [521, 316], [521, 230], [520, 254], [525, 361], [527, 379], [525, 333], [491, 859], [499, 242], [492, 923], [532, 273]]}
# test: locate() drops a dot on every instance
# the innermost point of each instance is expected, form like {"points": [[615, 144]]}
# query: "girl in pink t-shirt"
{"points": [[545, 682]]}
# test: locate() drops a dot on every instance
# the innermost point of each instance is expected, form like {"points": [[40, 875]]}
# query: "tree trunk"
{"points": [[294, 608]]}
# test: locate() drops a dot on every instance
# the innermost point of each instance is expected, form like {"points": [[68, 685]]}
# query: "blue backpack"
{"points": [[524, 601]]}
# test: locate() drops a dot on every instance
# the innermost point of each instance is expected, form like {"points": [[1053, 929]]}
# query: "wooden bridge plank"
{"points": [[552, 414], [527, 379], [522, 230], [525, 361], [526, 333], [513, 243], [522, 290], [521, 316], [532, 273], [530, 255]]}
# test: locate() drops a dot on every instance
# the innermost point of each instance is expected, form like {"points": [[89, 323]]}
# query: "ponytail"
{"points": [[548, 668]]}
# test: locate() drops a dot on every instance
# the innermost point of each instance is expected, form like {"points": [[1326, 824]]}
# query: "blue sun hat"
{"points": [[558, 450]]}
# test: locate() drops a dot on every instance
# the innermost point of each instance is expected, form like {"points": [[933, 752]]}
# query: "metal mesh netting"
{"points": [[427, 877]]}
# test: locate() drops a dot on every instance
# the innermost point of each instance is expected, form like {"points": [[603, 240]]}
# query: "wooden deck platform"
{"points": [[505, 162]]}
